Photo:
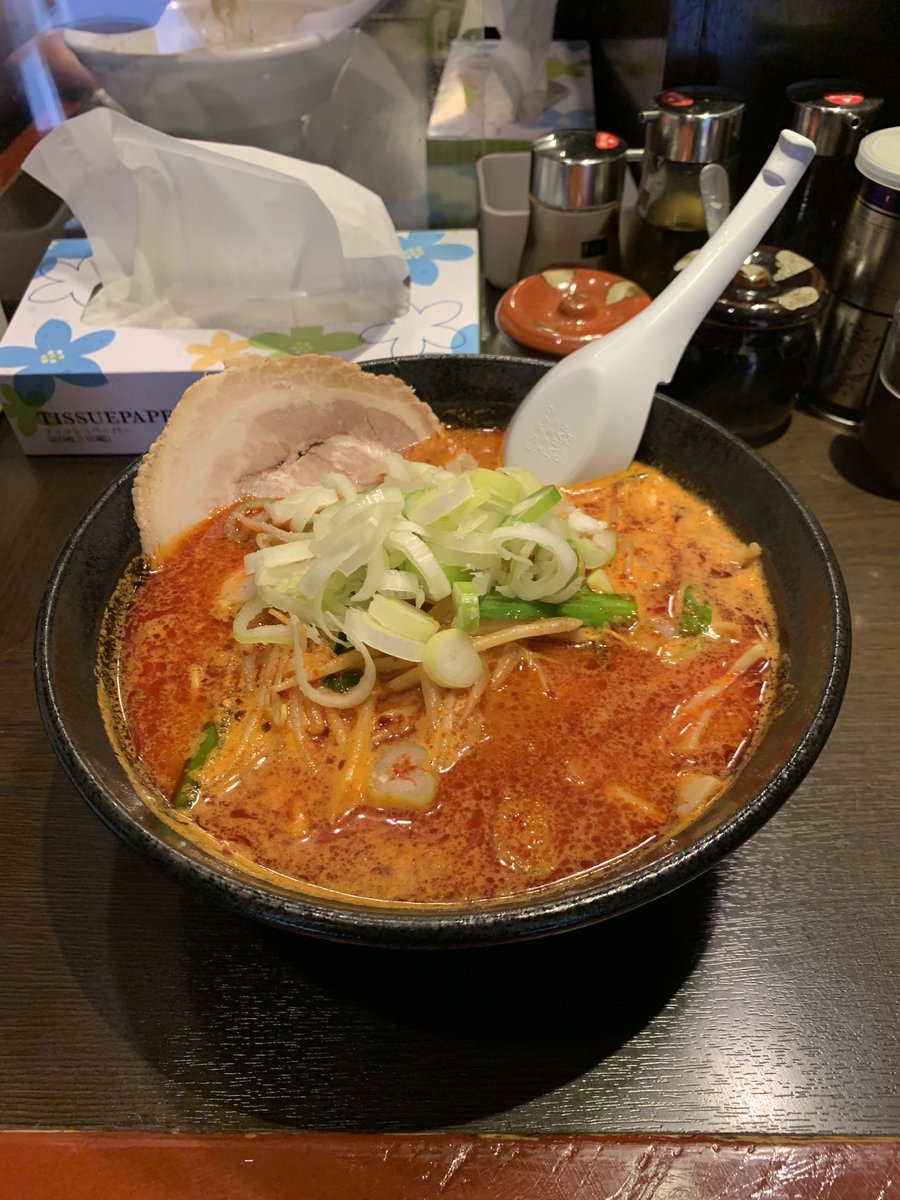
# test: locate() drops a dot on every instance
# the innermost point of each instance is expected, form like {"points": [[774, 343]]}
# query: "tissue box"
{"points": [[72, 388], [460, 129]]}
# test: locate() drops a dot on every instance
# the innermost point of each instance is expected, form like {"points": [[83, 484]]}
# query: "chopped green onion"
{"points": [[696, 615], [471, 552], [596, 552], [363, 628], [524, 478], [451, 660], [545, 577], [598, 581], [422, 560], [330, 699], [535, 506], [457, 574], [466, 614], [499, 486], [399, 777], [355, 569], [402, 617], [298, 509], [272, 634], [440, 501], [412, 499]]}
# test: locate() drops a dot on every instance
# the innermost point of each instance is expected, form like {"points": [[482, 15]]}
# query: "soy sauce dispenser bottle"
{"points": [[690, 128], [835, 114]]}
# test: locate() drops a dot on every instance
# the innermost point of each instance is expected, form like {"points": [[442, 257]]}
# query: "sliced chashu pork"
{"points": [[260, 428]]}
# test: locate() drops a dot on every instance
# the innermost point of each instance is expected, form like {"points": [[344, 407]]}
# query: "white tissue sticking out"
{"points": [[516, 85], [189, 235]]}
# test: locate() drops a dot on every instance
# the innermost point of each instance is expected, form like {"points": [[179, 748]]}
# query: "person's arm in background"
{"points": [[37, 72]]}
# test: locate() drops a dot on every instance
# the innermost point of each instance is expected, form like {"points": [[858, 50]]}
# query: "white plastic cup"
{"points": [[503, 203]]}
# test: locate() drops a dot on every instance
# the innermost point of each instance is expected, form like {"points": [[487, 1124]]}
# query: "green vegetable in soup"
{"points": [[594, 609], [341, 681], [187, 790], [696, 615]]}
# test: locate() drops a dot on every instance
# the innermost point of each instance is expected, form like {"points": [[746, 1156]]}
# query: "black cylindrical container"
{"points": [[755, 350]]}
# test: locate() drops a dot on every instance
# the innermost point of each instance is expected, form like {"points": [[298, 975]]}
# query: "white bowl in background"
{"points": [[185, 75]]}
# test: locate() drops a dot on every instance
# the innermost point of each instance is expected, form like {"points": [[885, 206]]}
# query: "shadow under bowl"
{"points": [[810, 602]]}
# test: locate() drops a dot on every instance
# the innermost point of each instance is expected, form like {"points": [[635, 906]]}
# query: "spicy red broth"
{"points": [[575, 753]]}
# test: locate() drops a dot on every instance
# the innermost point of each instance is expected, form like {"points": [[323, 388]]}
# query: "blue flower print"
{"points": [[422, 251], [425, 330], [466, 340], [64, 279], [55, 353], [551, 118], [65, 249]]}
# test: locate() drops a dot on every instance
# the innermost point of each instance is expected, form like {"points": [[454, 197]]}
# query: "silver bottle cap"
{"points": [[694, 125], [577, 168], [833, 113]]}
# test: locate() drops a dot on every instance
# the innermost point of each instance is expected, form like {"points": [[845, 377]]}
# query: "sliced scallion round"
{"points": [[450, 660]]}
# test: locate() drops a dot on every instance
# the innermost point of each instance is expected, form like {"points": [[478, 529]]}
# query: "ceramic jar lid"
{"points": [[774, 289], [563, 308]]}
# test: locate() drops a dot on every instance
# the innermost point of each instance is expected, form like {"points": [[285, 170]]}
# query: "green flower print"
{"points": [[22, 407], [557, 67], [305, 339]]}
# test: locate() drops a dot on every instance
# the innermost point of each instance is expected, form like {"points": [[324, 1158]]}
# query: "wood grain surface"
{"points": [[763, 998], [109, 1166]]}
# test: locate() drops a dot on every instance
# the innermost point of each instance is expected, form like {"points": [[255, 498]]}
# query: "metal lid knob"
{"points": [[577, 168], [694, 125]]}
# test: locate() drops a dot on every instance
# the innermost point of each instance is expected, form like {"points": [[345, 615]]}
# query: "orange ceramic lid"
{"points": [[562, 308]]}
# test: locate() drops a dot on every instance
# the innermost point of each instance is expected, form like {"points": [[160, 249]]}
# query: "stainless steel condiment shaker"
{"points": [[835, 115], [866, 284], [880, 428], [690, 128], [575, 193]]}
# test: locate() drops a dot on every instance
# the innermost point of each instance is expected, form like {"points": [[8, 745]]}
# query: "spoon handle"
{"points": [[672, 319], [715, 192]]}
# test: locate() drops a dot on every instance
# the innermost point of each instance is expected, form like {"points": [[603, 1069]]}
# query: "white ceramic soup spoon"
{"points": [[585, 417]]}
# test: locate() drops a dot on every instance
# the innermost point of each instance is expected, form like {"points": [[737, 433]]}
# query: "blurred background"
{"points": [[383, 90]]}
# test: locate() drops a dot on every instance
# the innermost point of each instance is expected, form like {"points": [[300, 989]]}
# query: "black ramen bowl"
{"points": [[810, 601]]}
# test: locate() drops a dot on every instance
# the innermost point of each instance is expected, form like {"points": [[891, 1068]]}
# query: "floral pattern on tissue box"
{"points": [[49, 356]]}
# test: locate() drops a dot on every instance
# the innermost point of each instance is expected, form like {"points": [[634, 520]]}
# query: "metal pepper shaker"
{"points": [[866, 284], [880, 429], [575, 193]]}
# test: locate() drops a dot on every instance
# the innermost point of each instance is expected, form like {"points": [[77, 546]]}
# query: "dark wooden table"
{"points": [[763, 998]]}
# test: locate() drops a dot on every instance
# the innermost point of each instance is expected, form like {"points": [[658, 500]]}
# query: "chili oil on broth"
{"points": [[574, 756]]}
